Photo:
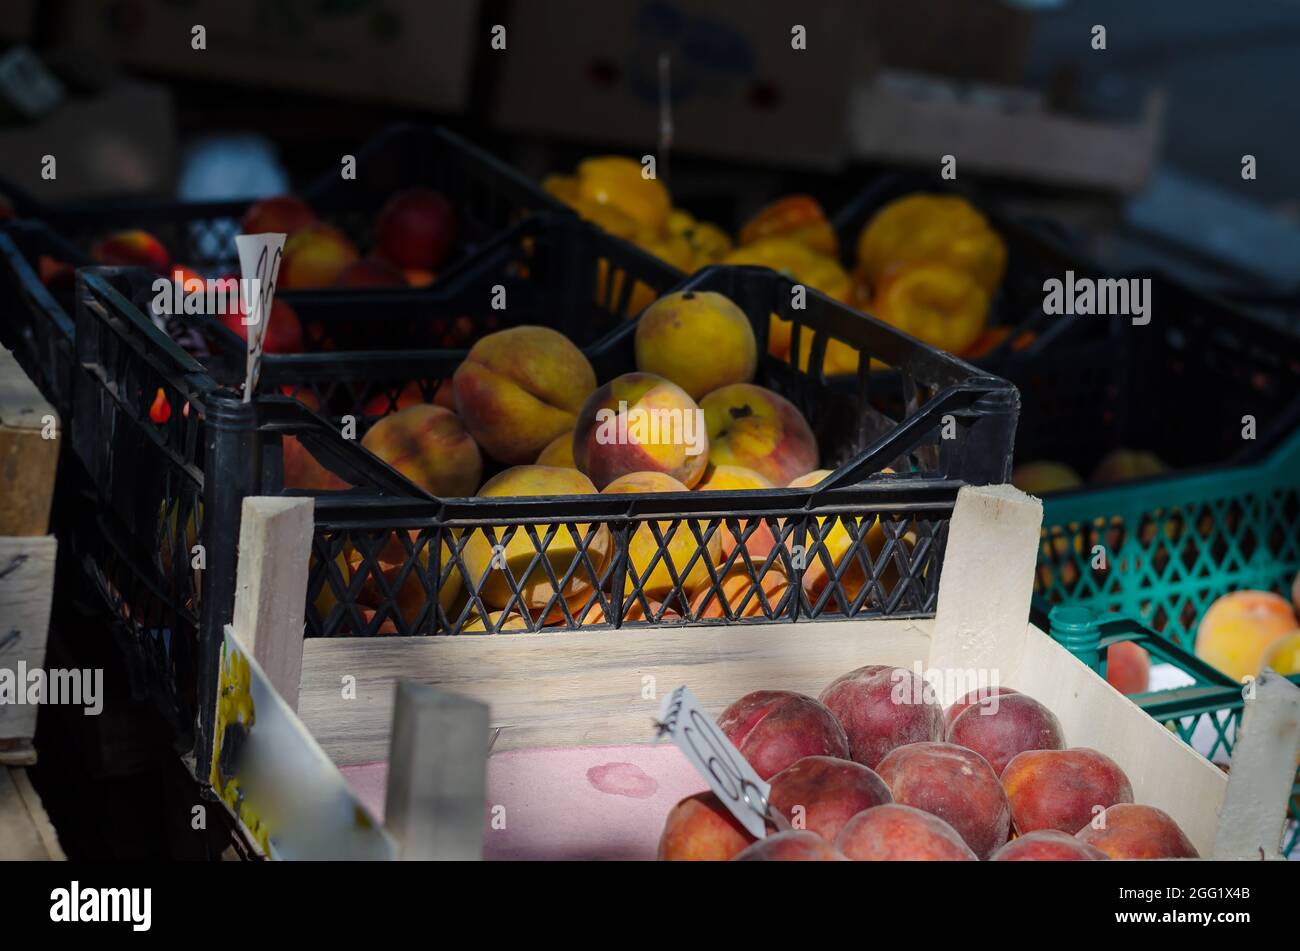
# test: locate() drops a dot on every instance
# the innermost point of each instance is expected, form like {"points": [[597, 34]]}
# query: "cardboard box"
{"points": [[403, 51], [739, 88], [984, 40]]}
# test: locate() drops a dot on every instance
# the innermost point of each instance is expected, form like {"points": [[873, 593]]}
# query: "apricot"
{"points": [[1040, 478], [998, 728], [558, 452], [279, 214], [315, 257], [1047, 845], [1128, 667], [649, 557], [882, 708], [821, 793], [894, 832], [519, 388], [639, 422], [1062, 789], [774, 729], [1124, 465], [415, 229], [791, 846], [698, 339], [1240, 629], [1127, 831], [131, 248], [975, 696], [955, 784], [926, 228], [701, 829], [620, 184], [755, 428], [563, 553], [428, 445]]}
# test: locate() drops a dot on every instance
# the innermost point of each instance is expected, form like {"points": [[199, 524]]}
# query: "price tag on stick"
{"points": [[729, 774], [259, 265]]}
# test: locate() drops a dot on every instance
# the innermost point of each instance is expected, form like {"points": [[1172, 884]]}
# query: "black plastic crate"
{"points": [[1093, 384], [1034, 253], [169, 484], [488, 196]]}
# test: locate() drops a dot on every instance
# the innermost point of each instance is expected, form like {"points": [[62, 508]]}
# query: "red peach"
{"points": [[1127, 831], [975, 696], [701, 829], [428, 445], [280, 214], [1047, 845], [825, 793], [774, 729], [792, 846], [1000, 727], [415, 229], [1062, 789], [879, 710], [283, 333], [133, 248], [955, 784], [897, 833], [1128, 667], [315, 257]]}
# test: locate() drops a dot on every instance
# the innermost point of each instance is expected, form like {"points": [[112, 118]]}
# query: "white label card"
{"points": [[728, 773], [259, 265]]}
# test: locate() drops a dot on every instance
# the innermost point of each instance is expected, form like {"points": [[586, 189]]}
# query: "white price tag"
{"points": [[259, 265], [728, 773]]}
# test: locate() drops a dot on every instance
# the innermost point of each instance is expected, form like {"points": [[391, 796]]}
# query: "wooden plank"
{"points": [[36, 812], [1263, 769], [26, 590], [27, 458], [574, 688], [20, 838], [271, 587], [437, 774]]}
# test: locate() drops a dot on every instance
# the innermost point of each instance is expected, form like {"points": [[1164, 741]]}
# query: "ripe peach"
{"points": [[645, 551], [955, 784], [743, 597], [315, 257], [792, 846], [975, 696], [1127, 831], [416, 229], [701, 829], [1040, 478], [303, 471], [558, 452], [1062, 789], [882, 708], [774, 729], [698, 339], [1128, 667], [1238, 631], [640, 422], [1001, 727], [519, 388], [821, 793], [757, 429], [283, 333], [1123, 465], [1284, 655], [893, 832], [132, 248], [428, 445], [1047, 845], [280, 214], [381, 405], [371, 272], [408, 594], [760, 541], [563, 553]]}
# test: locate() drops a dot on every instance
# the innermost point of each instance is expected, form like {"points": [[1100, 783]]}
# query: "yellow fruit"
{"points": [[618, 182], [929, 229], [1240, 630]]}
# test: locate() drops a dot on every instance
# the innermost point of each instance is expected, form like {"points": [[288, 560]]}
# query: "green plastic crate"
{"points": [[1172, 545], [1210, 707]]}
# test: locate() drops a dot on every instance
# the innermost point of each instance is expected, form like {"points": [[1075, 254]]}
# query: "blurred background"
{"points": [[1135, 150]]}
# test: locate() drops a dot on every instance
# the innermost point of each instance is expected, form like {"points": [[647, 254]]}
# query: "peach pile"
{"points": [[878, 771]]}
